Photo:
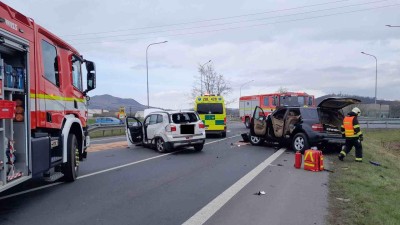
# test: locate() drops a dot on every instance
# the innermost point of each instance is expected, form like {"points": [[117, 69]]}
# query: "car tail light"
{"points": [[170, 128], [201, 125], [317, 127], [225, 120]]}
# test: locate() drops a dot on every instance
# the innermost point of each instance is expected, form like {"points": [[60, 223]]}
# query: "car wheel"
{"points": [[300, 142], [254, 140], [247, 122], [71, 167], [161, 146], [199, 147]]}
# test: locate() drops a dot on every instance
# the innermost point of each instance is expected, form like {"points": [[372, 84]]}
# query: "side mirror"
{"points": [[91, 76]]}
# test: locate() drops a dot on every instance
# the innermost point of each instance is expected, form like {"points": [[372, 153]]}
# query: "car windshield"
{"points": [[210, 108], [184, 117]]}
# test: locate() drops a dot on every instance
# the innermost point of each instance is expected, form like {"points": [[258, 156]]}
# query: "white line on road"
{"points": [[211, 208], [31, 190], [104, 171]]}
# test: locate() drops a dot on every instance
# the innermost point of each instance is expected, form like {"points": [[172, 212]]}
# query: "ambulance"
{"points": [[212, 111]]}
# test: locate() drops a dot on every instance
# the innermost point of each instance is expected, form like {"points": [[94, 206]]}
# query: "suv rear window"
{"points": [[309, 113], [210, 108], [184, 117]]}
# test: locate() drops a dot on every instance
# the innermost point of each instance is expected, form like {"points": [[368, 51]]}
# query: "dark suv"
{"points": [[301, 127]]}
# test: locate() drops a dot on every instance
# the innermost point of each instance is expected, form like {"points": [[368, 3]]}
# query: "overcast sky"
{"points": [[312, 46]]}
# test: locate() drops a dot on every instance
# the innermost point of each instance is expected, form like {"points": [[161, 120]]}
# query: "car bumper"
{"points": [[191, 142], [327, 139]]}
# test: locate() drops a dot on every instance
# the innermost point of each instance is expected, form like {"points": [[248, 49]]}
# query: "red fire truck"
{"points": [[269, 102], [43, 111]]}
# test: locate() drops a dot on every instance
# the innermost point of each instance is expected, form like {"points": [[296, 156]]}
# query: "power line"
{"points": [[250, 26], [208, 20], [229, 23]]}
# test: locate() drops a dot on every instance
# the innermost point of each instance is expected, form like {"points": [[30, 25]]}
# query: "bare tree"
{"points": [[210, 82], [282, 90]]}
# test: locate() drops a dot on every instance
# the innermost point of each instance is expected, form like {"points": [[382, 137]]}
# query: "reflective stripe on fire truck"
{"points": [[56, 103]]}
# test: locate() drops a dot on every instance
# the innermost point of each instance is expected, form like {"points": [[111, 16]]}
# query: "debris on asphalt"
{"points": [[245, 137], [343, 199], [260, 193], [285, 160], [279, 164], [375, 163], [330, 171]]}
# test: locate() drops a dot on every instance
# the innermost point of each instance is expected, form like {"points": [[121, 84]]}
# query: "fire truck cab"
{"points": [[43, 104]]}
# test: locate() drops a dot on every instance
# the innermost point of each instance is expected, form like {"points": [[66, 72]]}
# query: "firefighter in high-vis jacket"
{"points": [[351, 131]]}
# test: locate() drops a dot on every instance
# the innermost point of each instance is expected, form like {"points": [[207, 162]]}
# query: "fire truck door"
{"points": [[50, 90]]}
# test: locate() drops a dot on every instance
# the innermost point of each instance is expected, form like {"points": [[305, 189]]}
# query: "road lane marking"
{"points": [[211, 208], [104, 171], [211, 142], [30, 190]]}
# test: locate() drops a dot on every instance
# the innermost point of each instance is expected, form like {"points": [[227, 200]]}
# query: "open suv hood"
{"points": [[337, 102]]}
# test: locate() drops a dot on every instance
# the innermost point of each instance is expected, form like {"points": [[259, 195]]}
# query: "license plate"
{"points": [[189, 137]]}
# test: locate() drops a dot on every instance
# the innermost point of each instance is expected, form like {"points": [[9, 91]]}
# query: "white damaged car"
{"points": [[167, 130]]}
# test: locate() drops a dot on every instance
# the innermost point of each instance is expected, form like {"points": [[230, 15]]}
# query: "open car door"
{"points": [[133, 130], [258, 123]]}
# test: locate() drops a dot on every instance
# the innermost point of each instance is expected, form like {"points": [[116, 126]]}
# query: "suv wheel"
{"points": [[161, 146], [300, 142], [254, 140], [247, 122]]}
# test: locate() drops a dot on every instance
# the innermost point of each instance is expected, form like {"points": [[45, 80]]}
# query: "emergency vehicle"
{"points": [[269, 102], [43, 106], [212, 111]]}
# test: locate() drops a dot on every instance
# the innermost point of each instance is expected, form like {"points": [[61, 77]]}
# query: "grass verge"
{"points": [[361, 193]]}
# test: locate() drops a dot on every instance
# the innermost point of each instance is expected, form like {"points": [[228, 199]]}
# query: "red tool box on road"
{"points": [[313, 160]]}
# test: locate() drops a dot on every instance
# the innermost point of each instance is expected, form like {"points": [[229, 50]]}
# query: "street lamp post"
{"points": [[243, 85], [376, 74], [201, 77], [147, 69], [392, 26]]}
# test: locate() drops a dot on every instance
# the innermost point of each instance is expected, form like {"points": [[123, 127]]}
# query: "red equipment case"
{"points": [[313, 160], [7, 109]]}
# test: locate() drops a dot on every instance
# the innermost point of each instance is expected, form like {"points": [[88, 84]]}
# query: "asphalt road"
{"points": [[141, 186]]}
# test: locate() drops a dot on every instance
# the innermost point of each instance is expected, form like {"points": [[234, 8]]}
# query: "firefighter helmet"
{"points": [[356, 111]]}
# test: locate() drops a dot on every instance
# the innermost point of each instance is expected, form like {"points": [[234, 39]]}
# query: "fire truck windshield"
{"points": [[288, 100]]}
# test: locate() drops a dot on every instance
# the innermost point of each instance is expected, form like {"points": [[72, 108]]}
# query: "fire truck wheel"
{"points": [[161, 146], [254, 140], [300, 142], [247, 122], [71, 167]]}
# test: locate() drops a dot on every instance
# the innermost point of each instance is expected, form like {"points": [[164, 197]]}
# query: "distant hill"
{"points": [[364, 100], [112, 103]]}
